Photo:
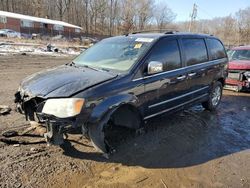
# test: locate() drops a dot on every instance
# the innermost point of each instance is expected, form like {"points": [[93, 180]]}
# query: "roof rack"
{"points": [[165, 31]]}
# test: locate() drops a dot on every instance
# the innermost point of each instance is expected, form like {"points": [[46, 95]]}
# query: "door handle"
{"points": [[192, 74], [181, 77]]}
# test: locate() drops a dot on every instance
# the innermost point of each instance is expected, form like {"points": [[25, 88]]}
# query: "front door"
{"points": [[165, 91]]}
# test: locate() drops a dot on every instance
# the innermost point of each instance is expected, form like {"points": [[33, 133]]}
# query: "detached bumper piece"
{"points": [[54, 134], [56, 128]]}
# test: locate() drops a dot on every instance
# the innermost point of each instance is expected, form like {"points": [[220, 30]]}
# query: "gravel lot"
{"points": [[193, 148]]}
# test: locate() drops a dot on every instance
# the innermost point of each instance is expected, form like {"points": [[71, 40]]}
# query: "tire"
{"points": [[215, 95]]}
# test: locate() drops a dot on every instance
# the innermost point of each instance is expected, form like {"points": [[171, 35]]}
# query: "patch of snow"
{"points": [[34, 50]]}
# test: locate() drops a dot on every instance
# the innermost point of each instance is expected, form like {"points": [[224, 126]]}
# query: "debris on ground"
{"points": [[39, 49], [16, 142], [9, 134], [13, 133], [4, 110]]}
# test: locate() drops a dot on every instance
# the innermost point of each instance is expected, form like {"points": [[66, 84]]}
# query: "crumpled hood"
{"points": [[239, 65], [63, 81]]}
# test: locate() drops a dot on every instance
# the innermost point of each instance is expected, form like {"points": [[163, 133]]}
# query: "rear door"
{"points": [[163, 90], [196, 61], [218, 59]]}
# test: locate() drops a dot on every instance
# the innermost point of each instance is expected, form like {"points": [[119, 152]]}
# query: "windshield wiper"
{"points": [[93, 68], [87, 66], [71, 64], [107, 70]]}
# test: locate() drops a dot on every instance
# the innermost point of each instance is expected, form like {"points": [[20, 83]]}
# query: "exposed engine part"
{"points": [[29, 106]]}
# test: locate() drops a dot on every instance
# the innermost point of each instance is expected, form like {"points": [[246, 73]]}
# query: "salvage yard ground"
{"points": [[193, 148]]}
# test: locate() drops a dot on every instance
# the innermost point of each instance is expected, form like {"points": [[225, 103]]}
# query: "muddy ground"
{"points": [[193, 148]]}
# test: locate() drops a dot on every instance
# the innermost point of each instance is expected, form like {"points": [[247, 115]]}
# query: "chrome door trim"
{"points": [[175, 98], [172, 108]]}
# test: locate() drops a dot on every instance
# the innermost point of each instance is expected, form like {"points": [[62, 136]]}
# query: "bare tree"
{"points": [[128, 15], [243, 23], [62, 6], [145, 12], [163, 15]]}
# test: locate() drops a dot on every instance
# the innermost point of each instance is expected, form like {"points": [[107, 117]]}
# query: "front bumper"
{"points": [[236, 85], [237, 80], [244, 83]]}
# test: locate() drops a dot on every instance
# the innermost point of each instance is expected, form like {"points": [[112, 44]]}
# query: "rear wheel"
{"points": [[214, 97]]}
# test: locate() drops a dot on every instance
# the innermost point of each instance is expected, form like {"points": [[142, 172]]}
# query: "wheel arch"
{"points": [[117, 111], [117, 107]]}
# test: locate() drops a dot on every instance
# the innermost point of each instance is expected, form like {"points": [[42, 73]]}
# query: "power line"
{"points": [[202, 10]]}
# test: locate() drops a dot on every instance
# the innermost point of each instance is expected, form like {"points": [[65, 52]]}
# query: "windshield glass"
{"points": [[117, 53], [239, 55]]}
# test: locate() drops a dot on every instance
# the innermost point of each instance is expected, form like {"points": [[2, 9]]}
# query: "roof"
{"points": [[37, 19], [147, 35], [158, 35]]}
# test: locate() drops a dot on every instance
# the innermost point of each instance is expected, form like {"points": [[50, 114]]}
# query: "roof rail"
{"points": [[165, 31]]}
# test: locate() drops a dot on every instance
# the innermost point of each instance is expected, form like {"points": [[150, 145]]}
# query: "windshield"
{"points": [[117, 53], [239, 55]]}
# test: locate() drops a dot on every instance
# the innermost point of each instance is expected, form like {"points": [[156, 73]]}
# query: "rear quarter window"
{"points": [[216, 48], [195, 51]]}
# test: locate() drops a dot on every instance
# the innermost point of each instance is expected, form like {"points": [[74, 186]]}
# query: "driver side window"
{"points": [[166, 51]]}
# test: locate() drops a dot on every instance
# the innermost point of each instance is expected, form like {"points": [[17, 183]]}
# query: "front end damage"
{"points": [[238, 80], [56, 128], [99, 126]]}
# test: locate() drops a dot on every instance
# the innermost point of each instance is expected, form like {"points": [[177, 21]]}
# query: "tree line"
{"points": [[109, 17], [233, 29], [113, 17]]}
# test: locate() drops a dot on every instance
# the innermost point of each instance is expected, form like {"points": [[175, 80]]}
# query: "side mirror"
{"points": [[155, 67]]}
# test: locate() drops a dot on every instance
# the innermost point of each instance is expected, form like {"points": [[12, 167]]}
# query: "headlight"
{"points": [[63, 108]]}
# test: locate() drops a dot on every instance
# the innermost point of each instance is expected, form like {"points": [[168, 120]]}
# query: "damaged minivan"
{"points": [[239, 69], [124, 81]]}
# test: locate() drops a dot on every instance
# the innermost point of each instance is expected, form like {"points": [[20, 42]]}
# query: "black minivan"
{"points": [[124, 81]]}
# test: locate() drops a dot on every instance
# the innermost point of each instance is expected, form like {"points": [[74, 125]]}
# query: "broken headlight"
{"points": [[63, 108]]}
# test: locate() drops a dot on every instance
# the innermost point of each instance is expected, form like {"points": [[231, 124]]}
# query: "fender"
{"points": [[100, 117], [110, 104]]}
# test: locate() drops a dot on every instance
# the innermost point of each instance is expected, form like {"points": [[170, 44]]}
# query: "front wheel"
{"points": [[214, 97]]}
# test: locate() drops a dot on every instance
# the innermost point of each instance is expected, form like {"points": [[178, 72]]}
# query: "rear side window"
{"points": [[195, 51], [216, 48], [167, 52]]}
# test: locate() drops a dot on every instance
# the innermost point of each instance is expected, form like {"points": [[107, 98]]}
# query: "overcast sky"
{"points": [[207, 9]]}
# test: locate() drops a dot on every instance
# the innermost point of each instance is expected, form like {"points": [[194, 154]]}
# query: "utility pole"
{"points": [[111, 17], [193, 17]]}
